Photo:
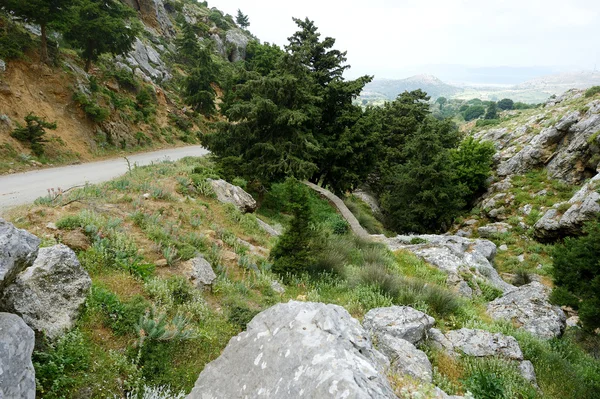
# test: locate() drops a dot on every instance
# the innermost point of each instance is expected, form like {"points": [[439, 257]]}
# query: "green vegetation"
{"points": [[242, 20], [577, 275], [14, 39], [473, 112], [185, 328], [102, 27], [592, 91], [33, 133]]}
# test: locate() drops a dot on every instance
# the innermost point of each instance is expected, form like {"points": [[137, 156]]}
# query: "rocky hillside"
{"points": [[125, 103], [161, 286]]}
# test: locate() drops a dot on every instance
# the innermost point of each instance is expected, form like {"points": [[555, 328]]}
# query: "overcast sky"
{"points": [[388, 38]]}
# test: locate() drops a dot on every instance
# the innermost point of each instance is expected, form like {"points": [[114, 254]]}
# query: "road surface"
{"points": [[24, 188]]}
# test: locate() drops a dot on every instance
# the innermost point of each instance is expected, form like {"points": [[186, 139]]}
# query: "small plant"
{"points": [[33, 133], [521, 278], [95, 112], [70, 222], [171, 255], [417, 241]]}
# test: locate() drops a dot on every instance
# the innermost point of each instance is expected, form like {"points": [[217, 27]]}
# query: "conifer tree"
{"points": [[102, 26], [242, 20], [42, 13]]}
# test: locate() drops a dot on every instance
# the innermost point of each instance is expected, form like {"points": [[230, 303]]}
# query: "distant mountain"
{"points": [[390, 88], [534, 90]]}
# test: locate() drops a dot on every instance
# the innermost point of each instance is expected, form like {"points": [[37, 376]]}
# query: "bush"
{"points": [[472, 162], [56, 365], [33, 133], [95, 112], [484, 385], [592, 91], [69, 222], [577, 271], [240, 316], [121, 317], [506, 104], [474, 112], [14, 39]]}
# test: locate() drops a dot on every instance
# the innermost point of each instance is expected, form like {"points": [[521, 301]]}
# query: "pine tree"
{"points": [[242, 20], [42, 13], [102, 26], [33, 133], [292, 253]]}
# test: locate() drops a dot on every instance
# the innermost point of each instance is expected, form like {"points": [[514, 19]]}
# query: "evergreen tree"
{"points": [[102, 26], [33, 133], [338, 114], [188, 46], [198, 91], [421, 194], [42, 13], [292, 253], [242, 20], [492, 111], [506, 104]]}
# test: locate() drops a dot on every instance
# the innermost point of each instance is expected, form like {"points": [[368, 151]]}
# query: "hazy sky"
{"points": [[387, 38]]}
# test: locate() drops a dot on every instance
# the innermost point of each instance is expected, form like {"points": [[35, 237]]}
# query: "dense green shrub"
{"points": [[14, 39], [474, 112], [33, 132], [592, 91], [94, 111], [472, 163], [577, 270], [506, 104], [57, 366], [121, 317]]}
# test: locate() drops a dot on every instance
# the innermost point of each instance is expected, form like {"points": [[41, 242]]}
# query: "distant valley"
{"points": [[535, 90]]}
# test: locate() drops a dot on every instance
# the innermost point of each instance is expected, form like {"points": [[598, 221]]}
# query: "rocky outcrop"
{"points": [[401, 322], [235, 43], [17, 376], [143, 57], [18, 250], [297, 349], [395, 330], [492, 229], [49, 294], [154, 15], [368, 199], [274, 231], [480, 343], [455, 256], [582, 208], [229, 194], [529, 308]]}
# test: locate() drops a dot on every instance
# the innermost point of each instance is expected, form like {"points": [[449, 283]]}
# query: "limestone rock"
{"points": [[583, 207], [148, 60], [438, 340], [202, 273], [400, 322], [48, 295], [18, 250], [489, 230], [2, 66], [481, 343], [368, 199], [528, 372], [277, 287], [453, 255], [297, 349], [17, 376], [274, 231], [238, 42], [228, 193], [529, 307], [405, 358]]}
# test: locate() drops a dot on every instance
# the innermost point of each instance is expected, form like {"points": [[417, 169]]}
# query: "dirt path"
{"points": [[346, 214], [24, 188]]}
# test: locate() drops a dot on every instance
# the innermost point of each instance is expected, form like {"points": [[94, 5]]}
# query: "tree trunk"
{"points": [[88, 65], [44, 45]]}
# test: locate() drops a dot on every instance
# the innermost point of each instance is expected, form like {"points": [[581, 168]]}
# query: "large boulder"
{"points": [[582, 208], [492, 229], [480, 343], [17, 376], [455, 256], [49, 294], [528, 307], [148, 60], [18, 250], [229, 194], [405, 358], [297, 349], [201, 272], [400, 322]]}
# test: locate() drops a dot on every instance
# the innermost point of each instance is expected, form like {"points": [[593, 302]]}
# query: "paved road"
{"points": [[23, 188]]}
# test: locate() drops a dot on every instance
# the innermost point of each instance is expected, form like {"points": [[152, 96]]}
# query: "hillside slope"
{"points": [[129, 104]]}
